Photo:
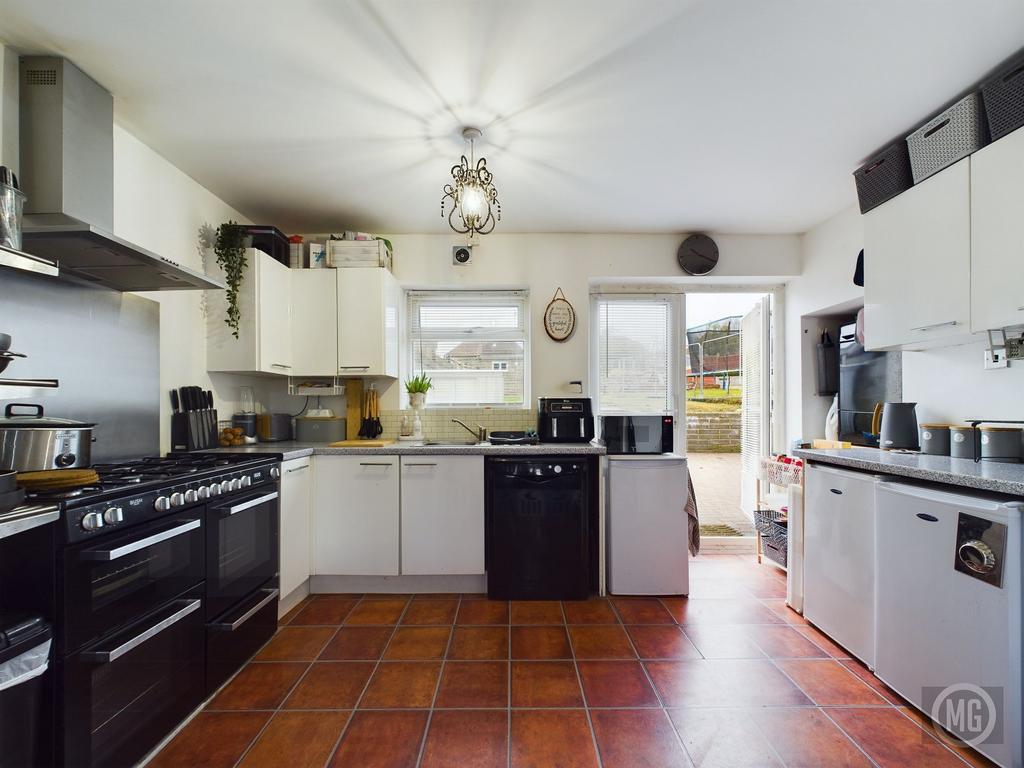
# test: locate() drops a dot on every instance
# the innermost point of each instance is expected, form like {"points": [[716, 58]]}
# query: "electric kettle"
{"points": [[898, 428]]}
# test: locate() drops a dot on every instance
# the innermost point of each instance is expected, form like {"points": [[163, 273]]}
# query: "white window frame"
{"points": [[470, 296]]}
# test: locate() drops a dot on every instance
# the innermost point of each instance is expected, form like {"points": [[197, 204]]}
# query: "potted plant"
{"points": [[417, 387], [229, 247]]}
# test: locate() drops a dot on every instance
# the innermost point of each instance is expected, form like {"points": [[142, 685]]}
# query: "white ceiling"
{"points": [[598, 115]]}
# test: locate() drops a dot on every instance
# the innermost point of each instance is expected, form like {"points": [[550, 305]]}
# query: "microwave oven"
{"points": [[637, 434]]}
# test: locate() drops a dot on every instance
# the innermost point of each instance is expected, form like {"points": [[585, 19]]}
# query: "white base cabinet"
{"points": [[442, 515], [296, 523], [356, 518]]}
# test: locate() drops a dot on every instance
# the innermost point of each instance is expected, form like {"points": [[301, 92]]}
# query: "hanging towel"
{"points": [[693, 517]]}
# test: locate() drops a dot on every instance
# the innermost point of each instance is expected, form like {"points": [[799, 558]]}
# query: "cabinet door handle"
{"points": [[279, 365], [375, 464], [1020, 309], [936, 325], [836, 491], [353, 367], [421, 464], [298, 469]]}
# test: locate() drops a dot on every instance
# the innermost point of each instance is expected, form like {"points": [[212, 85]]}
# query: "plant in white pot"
{"points": [[417, 388]]}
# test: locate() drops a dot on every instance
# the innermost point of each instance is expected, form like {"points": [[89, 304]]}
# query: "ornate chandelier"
{"points": [[473, 196]]}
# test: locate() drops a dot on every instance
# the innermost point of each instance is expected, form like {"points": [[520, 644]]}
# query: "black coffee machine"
{"points": [[565, 420]]}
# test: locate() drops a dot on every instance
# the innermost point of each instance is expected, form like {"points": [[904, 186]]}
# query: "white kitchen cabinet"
{"points": [[442, 514], [356, 515], [314, 322], [917, 264], [264, 343], [997, 234], [839, 557], [367, 322], [296, 523]]}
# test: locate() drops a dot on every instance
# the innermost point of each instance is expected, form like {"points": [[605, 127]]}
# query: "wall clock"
{"points": [[559, 317], [698, 255]]}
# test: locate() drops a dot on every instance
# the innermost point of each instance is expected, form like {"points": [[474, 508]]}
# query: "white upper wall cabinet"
{"points": [[917, 264], [314, 322], [997, 234], [264, 342], [367, 322]]}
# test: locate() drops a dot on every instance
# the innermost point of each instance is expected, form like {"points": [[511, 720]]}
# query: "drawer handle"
{"points": [[836, 491], [1020, 309], [279, 365], [298, 469], [191, 606], [933, 326], [375, 464], [106, 555], [928, 518], [271, 594]]}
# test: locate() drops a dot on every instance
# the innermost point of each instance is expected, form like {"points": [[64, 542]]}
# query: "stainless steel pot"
{"points": [[34, 442]]}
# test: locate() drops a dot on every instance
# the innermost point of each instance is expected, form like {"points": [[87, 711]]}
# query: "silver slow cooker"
{"points": [[34, 442]]}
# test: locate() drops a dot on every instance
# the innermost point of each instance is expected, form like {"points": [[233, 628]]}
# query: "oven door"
{"points": [[241, 547], [123, 694], [118, 580]]}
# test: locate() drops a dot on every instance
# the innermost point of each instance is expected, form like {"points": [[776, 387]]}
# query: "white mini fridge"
{"points": [[647, 532]]}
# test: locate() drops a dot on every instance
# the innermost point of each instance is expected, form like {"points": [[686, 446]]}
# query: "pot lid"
{"points": [[36, 420]]}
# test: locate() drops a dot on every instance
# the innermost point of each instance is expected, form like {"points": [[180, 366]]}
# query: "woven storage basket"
{"points": [[949, 136], [776, 553], [1003, 96], [780, 473], [884, 176]]}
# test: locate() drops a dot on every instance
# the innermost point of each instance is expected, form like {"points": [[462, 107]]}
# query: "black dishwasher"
{"points": [[537, 528]]}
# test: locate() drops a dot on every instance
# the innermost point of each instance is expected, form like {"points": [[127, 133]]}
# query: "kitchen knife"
{"points": [[204, 419], [175, 403]]}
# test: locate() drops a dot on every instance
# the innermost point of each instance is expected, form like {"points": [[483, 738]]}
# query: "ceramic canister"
{"points": [[960, 444], [1002, 444], [935, 439]]}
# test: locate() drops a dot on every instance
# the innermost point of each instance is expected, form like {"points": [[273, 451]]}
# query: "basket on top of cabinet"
{"points": [[883, 176], [1003, 94], [951, 135]]}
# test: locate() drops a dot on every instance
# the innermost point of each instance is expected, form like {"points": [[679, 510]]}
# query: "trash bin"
{"points": [[24, 657]]}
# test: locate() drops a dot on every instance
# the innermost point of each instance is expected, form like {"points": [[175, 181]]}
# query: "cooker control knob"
{"points": [[113, 516], [234, 484], [214, 489], [225, 486], [64, 459], [162, 504], [275, 473], [245, 481], [177, 499], [203, 492], [558, 469], [92, 521], [191, 497]]}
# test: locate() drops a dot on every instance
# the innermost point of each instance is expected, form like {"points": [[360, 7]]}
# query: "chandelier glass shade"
{"points": [[471, 194]]}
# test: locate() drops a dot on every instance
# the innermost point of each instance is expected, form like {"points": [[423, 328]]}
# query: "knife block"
{"points": [[194, 431]]}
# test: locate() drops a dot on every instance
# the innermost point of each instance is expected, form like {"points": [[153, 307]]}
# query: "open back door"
{"points": [[755, 435]]}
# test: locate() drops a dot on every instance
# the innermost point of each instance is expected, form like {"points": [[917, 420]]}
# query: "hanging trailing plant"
{"points": [[229, 248]]}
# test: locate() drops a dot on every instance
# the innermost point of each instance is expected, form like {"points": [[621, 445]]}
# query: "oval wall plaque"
{"points": [[559, 317]]}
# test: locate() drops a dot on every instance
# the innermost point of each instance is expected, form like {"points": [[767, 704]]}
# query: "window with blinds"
{"points": [[634, 355], [474, 345]]}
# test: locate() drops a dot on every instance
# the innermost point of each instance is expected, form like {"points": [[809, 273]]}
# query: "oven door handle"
{"points": [[270, 594], [234, 510], [135, 546], [105, 657]]}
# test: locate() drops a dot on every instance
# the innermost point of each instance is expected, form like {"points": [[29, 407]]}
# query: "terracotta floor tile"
{"points": [[727, 641], [829, 683], [824, 642], [642, 611], [431, 596], [806, 737], [306, 738], [357, 643], [259, 686], [725, 611], [968, 755], [545, 684], [540, 643], [657, 642], [467, 740], [873, 682], [418, 643], [402, 684], [479, 643], [431, 612], [331, 685], [891, 739], [212, 740], [601, 642], [296, 644], [295, 611], [325, 610], [637, 739], [537, 612], [546, 738], [596, 611], [723, 683], [764, 588], [382, 611], [473, 684], [403, 596], [784, 643], [616, 684], [723, 738], [473, 595], [777, 605], [381, 740], [717, 588], [483, 612]]}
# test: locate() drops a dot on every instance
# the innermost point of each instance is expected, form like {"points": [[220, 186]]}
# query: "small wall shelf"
{"points": [[316, 386], [18, 389]]}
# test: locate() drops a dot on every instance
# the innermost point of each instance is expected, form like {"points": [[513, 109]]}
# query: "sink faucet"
{"points": [[480, 433]]}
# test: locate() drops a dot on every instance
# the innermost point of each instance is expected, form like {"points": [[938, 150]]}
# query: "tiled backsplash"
{"points": [[438, 424]]}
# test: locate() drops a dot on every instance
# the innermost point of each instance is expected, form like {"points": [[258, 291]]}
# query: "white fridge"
{"points": [[647, 532]]}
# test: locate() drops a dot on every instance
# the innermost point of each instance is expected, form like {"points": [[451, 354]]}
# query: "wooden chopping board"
{"points": [[379, 443]]}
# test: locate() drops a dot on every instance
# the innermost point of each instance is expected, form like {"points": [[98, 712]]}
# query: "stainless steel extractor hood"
{"points": [[67, 174]]}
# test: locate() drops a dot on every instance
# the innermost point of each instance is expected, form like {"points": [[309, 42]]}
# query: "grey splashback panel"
{"points": [[103, 346]]}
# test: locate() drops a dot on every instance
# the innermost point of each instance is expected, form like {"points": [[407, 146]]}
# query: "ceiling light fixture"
{"points": [[472, 193]]}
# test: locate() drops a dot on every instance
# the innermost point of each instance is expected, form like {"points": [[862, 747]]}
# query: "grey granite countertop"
{"points": [[983, 476], [296, 450]]}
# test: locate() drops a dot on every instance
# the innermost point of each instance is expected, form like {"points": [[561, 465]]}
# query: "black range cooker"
{"points": [[166, 576]]}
